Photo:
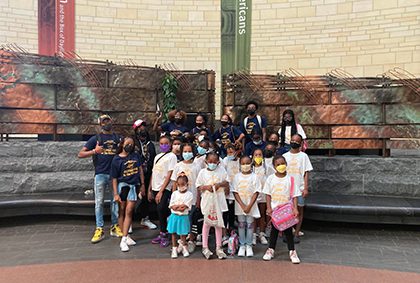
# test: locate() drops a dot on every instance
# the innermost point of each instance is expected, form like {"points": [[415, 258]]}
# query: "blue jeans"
{"points": [[245, 229], [102, 182]]}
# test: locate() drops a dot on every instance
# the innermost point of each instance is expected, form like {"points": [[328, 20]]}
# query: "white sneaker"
{"points": [[123, 245], [254, 239], [220, 253], [263, 238], [185, 251], [130, 241], [130, 229], [147, 223], [207, 253], [269, 254], [191, 246], [241, 251], [199, 241], [294, 257], [174, 253], [249, 251], [179, 248]]}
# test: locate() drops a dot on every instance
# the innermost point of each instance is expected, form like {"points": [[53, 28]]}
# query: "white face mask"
{"points": [[245, 168], [182, 189]]}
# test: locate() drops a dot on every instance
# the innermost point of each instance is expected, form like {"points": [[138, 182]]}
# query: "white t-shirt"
{"points": [[297, 165], [207, 177], [279, 190], [178, 198], [199, 161], [288, 134], [246, 185], [191, 170], [160, 170], [232, 168], [262, 173]]}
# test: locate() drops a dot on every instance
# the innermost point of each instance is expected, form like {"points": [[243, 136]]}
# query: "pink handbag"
{"points": [[282, 216]]}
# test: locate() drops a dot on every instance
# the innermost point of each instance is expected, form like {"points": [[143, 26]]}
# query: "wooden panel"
{"points": [[403, 114], [316, 132], [9, 128], [397, 131], [17, 95], [382, 95], [277, 97], [68, 117], [345, 144], [106, 99], [150, 79], [194, 101], [403, 144], [92, 129]]}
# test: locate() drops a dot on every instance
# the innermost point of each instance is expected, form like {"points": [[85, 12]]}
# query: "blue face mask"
{"points": [[230, 157], [187, 155], [201, 150], [212, 166]]}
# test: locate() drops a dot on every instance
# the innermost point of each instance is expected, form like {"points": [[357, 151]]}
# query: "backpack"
{"points": [[259, 119], [115, 138]]}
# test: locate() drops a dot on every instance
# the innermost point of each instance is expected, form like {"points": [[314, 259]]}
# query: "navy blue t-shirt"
{"points": [[109, 142], [251, 146], [251, 124], [126, 169], [227, 135], [169, 127]]}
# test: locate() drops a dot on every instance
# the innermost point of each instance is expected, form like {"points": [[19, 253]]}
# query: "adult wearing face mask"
{"points": [[102, 148], [288, 128], [175, 126], [227, 134], [200, 128], [146, 149], [257, 143], [253, 121]]}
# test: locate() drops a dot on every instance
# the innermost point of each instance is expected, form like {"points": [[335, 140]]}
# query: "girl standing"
{"points": [[160, 186], [213, 179], [278, 189], [288, 128], [127, 173], [246, 187], [179, 223]]}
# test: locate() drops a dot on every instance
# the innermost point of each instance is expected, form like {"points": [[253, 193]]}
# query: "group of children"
{"points": [[196, 190]]}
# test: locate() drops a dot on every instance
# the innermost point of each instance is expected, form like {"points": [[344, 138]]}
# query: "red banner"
{"points": [[56, 27]]}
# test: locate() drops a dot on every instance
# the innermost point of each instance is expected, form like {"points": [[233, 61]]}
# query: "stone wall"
{"points": [[43, 167]]}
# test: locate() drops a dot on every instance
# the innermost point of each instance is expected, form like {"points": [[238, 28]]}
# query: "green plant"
{"points": [[170, 87]]}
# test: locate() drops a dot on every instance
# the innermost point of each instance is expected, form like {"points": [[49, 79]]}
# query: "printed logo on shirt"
{"points": [[293, 166], [243, 190], [130, 169], [232, 168], [110, 147], [279, 193], [250, 127], [225, 138]]}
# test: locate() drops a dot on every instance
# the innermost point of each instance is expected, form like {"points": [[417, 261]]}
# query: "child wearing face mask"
{"points": [[160, 186], [288, 128], [211, 179], [262, 170], [202, 149], [127, 173], [231, 165], [299, 167], [179, 223], [257, 142], [176, 147], [191, 170], [246, 187], [278, 190]]}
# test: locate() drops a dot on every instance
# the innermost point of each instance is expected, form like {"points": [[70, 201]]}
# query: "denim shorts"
{"points": [[301, 201], [127, 192]]}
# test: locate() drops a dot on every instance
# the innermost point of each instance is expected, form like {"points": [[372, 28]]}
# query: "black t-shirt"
{"points": [[126, 169]]}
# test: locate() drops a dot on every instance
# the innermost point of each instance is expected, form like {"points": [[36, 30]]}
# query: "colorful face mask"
{"points": [[165, 147], [212, 166], [187, 155], [258, 160], [245, 168], [281, 168]]}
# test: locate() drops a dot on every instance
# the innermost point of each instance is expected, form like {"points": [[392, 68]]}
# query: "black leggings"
{"points": [[197, 222], [163, 209], [143, 207], [289, 238], [229, 216]]}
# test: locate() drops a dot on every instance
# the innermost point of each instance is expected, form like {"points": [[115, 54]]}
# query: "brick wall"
{"points": [[364, 37]]}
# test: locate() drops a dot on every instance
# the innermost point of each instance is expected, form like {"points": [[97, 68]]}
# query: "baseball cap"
{"points": [[103, 117], [138, 123]]}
